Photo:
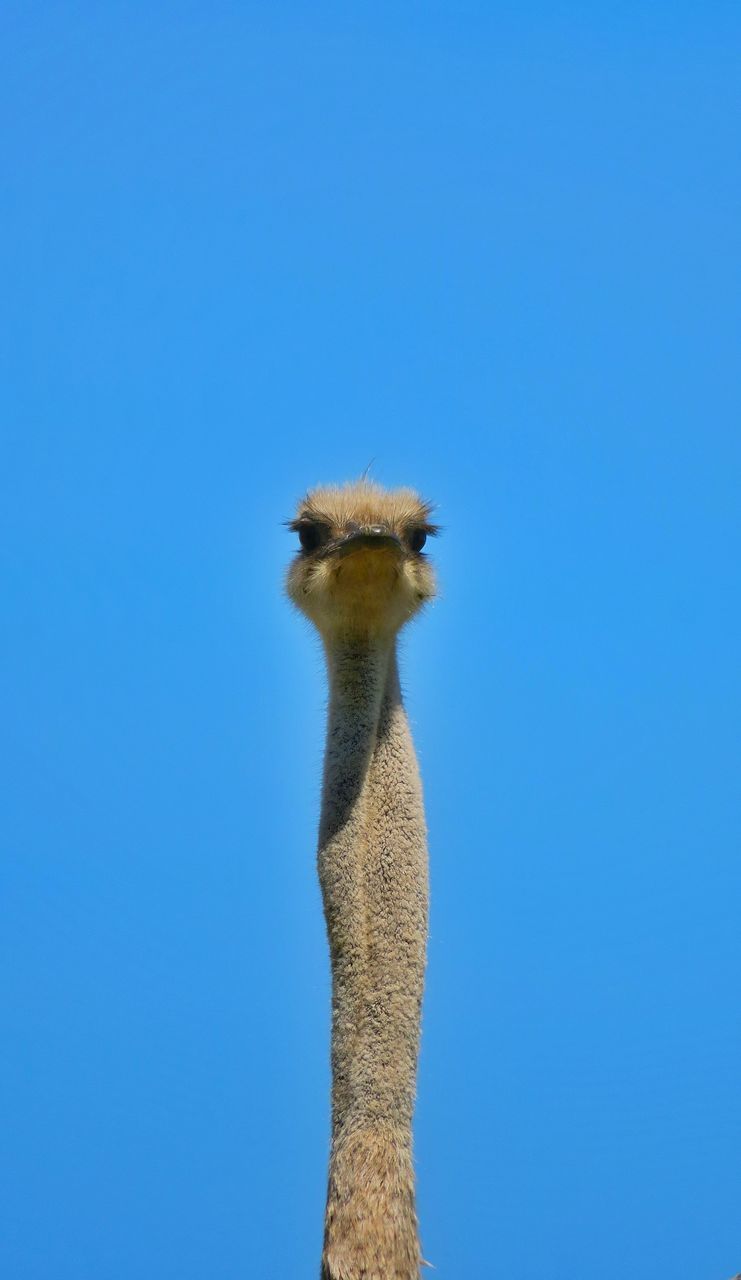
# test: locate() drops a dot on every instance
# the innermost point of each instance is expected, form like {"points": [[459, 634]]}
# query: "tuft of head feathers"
{"points": [[364, 502]]}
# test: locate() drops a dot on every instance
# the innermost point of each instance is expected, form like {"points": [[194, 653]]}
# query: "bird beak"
{"points": [[375, 537]]}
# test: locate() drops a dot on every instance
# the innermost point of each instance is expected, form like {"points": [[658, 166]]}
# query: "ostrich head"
{"points": [[360, 569]]}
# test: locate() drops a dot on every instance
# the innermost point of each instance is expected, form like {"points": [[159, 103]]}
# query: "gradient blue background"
{"points": [[247, 248]]}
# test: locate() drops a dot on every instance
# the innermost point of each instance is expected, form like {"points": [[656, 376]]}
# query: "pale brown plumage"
{"points": [[360, 576]]}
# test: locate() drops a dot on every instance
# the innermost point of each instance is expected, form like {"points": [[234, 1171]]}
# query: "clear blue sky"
{"points": [[247, 248]]}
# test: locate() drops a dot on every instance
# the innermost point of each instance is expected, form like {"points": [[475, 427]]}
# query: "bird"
{"points": [[360, 574]]}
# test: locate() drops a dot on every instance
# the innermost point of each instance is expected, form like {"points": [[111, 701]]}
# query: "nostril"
{"points": [[376, 528]]}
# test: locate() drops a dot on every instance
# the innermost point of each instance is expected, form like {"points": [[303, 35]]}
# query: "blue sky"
{"points": [[495, 249]]}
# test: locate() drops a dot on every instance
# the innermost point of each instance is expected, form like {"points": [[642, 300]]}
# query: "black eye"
{"points": [[310, 536], [417, 539]]}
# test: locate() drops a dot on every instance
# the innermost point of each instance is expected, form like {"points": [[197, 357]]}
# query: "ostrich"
{"points": [[359, 576]]}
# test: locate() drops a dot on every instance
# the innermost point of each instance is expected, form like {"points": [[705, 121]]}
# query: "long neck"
{"points": [[373, 873]]}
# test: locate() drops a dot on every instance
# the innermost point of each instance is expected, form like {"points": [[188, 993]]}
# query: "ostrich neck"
{"points": [[373, 873]]}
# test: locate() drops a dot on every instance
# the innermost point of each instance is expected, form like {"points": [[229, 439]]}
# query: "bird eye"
{"points": [[417, 539], [310, 536]]}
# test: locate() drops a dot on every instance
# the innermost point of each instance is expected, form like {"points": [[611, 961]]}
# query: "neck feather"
{"points": [[373, 873]]}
